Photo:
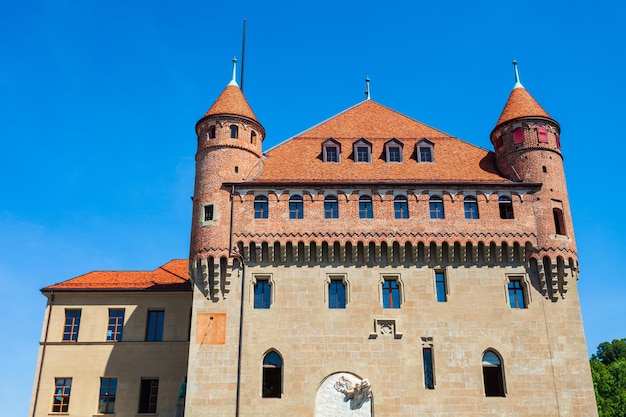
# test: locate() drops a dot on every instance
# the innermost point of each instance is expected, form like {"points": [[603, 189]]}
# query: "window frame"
{"points": [[493, 381], [505, 206], [331, 207], [208, 208], [261, 207], [331, 144], [429, 367], [107, 395], [334, 279], [426, 145], [388, 299], [362, 150], [148, 396], [212, 132], [401, 207], [366, 207], [441, 286], [265, 303], [115, 329], [154, 329], [517, 288], [470, 207], [71, 326], [436, 207], [273, 372], [296, 207], [397, 145], [61, 400], [234, 131]]}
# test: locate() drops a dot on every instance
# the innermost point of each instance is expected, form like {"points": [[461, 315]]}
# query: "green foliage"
{"points": [[608, 370]]}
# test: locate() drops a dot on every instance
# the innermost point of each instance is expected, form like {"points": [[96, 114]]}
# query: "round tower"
{"points": [[229, 150], [528, 149]]}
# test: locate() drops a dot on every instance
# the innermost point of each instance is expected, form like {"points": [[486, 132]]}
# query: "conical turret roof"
{"points": [[521, 104], [232, 101]]}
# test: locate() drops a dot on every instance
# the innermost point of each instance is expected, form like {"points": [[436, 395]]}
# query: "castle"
{"points": [[369, 265]]}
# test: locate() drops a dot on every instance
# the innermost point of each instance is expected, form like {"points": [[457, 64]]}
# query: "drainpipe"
{"points": [[43, 353], [241, 301]]}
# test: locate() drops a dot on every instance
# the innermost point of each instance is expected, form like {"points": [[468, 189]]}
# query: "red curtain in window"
{"points": [[498, 143], [558, 140], [542, 134], [518, 135]]}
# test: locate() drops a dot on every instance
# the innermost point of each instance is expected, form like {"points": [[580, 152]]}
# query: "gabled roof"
{"points": [[231, 101], [299, 160], [521, 104], [173, 276]]}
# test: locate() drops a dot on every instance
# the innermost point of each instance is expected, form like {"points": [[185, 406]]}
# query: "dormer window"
{"points": [[393, 151], [331, 151], [212, 132], [425, 151], [362, 151], [234, 131]]}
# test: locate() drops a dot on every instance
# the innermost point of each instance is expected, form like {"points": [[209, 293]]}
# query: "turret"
{"points": [[528, 149], [229, 150]]}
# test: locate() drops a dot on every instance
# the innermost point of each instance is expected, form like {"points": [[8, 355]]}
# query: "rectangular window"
{"points": [[61, 398], [436, 208], [440, 284], [106, 401], [542, 134], [429, 375], [262, 293], [72, 325], [337, 294], [362, 154], [516, 294], [148, 395], [401, 208], [332, 154], [116, 324], [365, 209], [208, 213], [426, 154], [154, 330], [391, 293], [394, 154], [518, 136], [331, 208], [296, 208]]}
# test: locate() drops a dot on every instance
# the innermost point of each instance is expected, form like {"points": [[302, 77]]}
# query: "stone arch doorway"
{"points": [[343, 394]]}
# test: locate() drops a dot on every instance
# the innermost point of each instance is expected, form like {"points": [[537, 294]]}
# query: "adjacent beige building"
{"points": [[371, 265]]}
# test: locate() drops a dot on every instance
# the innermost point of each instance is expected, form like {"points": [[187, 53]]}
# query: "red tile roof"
{"points": [[173, 276], [231, 101], [521, 104], [299, 159]]}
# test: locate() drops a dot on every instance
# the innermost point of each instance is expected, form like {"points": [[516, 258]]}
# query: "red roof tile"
{"points": [[300, 158], [521, 104], [173, 276], [231, 101]]}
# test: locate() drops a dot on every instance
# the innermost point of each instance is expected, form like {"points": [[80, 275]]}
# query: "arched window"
{"points": [[471, 207], [234, 131], [296, 207], [260, 207], [436, 207], [212, 132], [365, 207], [493, 374], [506, 207], [401, 207], [331, 207], [272, 375]]}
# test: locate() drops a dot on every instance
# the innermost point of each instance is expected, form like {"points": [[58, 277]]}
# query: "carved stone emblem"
{"points": [[357, 393]]}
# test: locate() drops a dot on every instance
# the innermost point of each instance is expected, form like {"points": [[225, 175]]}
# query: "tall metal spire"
{"points": [[518, 84], [233, 81], [367, 88]]}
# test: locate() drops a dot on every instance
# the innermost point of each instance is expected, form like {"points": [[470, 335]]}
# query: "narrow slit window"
{"points": [[429, 374], [441, 286]]}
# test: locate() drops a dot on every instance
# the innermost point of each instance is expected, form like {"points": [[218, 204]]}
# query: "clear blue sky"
{"points": [[98, 102]]}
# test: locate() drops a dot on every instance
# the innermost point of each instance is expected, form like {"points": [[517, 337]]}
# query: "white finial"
{"points": [[518, 84], [233, 81], [367, 88]]}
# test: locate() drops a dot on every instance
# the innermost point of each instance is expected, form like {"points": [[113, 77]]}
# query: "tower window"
{"points": [[337, 293], [272, 375], [212, 132], [296, 207], [542, 134], [400, 207], [365, 207], [260, 207], [253, 137], [331, 207], [493, 375], [208, 212], [506, 207], [518, 136], [234, 131], [436, 207], [559, 225], [262, 293], [429, 374], [517, 295], [471, 207], [441, 286], [391, 293]]}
